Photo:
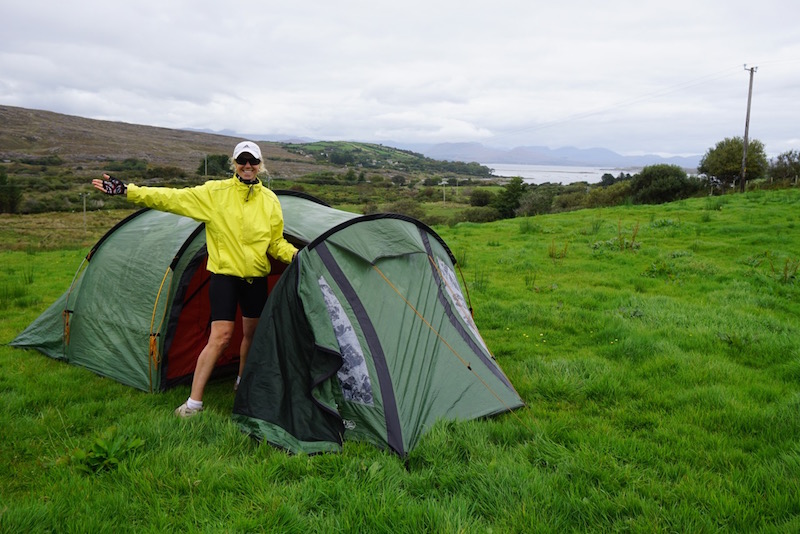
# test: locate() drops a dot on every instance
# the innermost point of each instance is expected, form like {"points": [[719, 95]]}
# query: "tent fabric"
{"points": [[384, 344], [365, 336], [107, 320]]}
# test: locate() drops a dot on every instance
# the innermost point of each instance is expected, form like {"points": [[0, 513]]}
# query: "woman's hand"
{"points": [[110, 186]]}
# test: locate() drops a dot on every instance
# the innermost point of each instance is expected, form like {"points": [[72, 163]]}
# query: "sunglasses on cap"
{"points": [[244, 160]]}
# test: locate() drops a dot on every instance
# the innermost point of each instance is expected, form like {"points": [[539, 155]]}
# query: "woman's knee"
{"points": [[221, 334]]}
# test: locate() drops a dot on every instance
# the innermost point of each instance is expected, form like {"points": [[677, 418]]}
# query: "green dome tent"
{"points": [[366, 335]]}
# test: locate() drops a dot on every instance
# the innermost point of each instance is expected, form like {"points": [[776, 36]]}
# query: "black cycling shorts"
{"points": [[226, 292]]}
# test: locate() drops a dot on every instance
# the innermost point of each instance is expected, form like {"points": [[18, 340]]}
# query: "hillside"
{"points": [[84, 145]]}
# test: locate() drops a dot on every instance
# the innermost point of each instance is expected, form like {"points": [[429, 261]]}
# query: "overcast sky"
{"points": [[632, 76]]}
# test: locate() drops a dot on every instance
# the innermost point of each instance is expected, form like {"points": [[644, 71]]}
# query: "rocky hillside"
{"points": [[86, 143]]}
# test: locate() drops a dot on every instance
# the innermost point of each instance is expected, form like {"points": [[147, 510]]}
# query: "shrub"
{"points": [[320, 178], [425, 194], [52, 159], [785, 167], [508, 200], [536, 201], [657, 184], [406, 207], [340, 157], [165, 172], [130, 164], [10, 194], [570, 201], [481, 214], [433, 220], [480, 197], [612, 195]]}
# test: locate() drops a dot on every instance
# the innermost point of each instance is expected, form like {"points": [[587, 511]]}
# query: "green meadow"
{"points": [[657, 349]]}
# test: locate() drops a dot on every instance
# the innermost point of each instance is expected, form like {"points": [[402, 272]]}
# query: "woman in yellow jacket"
{"points": [[244, 223]]}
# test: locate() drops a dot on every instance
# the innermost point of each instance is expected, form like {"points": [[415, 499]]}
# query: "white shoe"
{"points": [[184, 411]]}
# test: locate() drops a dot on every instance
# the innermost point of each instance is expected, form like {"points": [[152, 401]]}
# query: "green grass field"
{"points": [[657, 349]]}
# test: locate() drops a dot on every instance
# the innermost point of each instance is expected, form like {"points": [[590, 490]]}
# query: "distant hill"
{"points": [[88, 142], [541, 155], [87, 145], [274, 137]]}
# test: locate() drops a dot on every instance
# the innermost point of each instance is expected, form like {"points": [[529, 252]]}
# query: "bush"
{"points": [[425, 194], [508, 200], [340, 157], [786, 167], [165, 172], [433, 220], [537, 200], [574, 200], [481, 197], [481, 214], [657, 184], [10, 194], [612, 195], [53, 159], [405, 207], [130, 164], [320, 178]]}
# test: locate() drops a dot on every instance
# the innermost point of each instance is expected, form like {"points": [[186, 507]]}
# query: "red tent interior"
{"points": [[194, 326]]}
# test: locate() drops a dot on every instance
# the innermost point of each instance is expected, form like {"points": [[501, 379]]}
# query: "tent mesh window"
{"points": [[353, 375]]}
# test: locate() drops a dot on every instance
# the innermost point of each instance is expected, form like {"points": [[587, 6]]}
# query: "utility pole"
{"points": [[742, 179], [83, 196]]}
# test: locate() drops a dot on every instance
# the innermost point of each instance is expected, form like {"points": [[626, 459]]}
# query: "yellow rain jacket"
{"points": [[244, 222]]}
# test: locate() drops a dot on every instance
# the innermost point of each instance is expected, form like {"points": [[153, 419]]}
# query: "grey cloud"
{"points": [[630, 77]]}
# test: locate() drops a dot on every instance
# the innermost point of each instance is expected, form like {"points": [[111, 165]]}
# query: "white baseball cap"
{"points": [[249, 147]]}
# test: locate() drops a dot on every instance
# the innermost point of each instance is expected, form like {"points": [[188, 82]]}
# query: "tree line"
{"points": [[719, 172]]}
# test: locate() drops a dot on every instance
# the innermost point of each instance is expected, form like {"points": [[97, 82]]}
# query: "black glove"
{"points": [[113, 186]]}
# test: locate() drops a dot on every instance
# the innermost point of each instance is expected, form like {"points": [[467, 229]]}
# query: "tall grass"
{"points": [[662, 384]]}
